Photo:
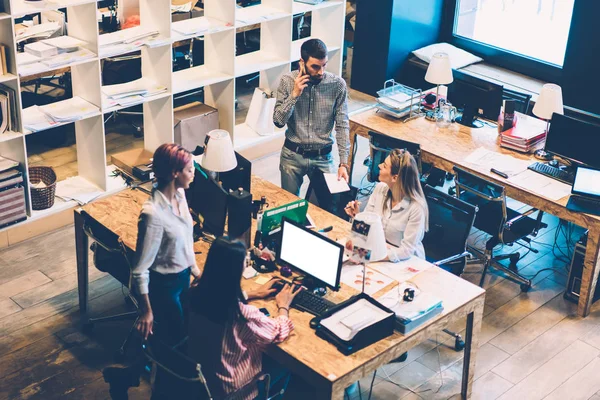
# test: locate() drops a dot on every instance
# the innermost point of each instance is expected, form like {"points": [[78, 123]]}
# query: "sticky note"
{"points": [[261, 280]]}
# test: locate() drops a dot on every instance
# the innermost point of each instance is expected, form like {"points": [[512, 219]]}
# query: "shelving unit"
{"points": [[217, 76]]}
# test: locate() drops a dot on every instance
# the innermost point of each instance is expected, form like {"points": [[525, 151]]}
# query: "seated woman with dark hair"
{"points": [[228, 335]]}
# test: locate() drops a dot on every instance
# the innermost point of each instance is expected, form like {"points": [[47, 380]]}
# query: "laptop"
{"points": [[585, 193]]}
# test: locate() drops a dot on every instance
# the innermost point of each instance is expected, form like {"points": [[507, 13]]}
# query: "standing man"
{"points": [[310, 101]]}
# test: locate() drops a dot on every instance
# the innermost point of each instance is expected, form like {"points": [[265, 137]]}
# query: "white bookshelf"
{"points": [[216, 77]]}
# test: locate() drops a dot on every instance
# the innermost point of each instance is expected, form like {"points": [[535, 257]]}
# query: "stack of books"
{"points": [[8, 109], [526, 135], [12, 193]]}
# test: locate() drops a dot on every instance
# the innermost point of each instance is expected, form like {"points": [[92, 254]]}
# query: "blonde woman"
{"points": [[398, 198]]}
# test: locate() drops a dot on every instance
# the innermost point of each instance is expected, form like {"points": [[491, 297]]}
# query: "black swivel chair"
{"points": [[450, 223], [182, 377], [506, 226], [111, 255]]}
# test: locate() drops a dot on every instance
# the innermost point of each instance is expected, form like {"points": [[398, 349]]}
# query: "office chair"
{"points": [[506, 226], [111, 255], [521, 99], [121, 69], [450, 223], [182, 377], [380, 146]]}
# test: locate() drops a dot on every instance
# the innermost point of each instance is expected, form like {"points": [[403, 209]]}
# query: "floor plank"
{"points": [[23, 283], [489, 387], [8, 307], [545, 347], [581, 386], [551, 375]]}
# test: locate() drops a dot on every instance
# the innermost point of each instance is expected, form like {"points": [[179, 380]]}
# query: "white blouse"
{"points": [[404, 225]]}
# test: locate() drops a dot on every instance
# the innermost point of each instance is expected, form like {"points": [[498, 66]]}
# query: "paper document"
{"points": [[352, 275], [402, 271], [540, 184], [255, 14], [502, 162], [347, 322], [334, 185], [78, 189], [69, 110]]}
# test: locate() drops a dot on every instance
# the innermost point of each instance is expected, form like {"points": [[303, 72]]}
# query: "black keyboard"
{"points": [[311, 303], [586, 202], [553, 172]]}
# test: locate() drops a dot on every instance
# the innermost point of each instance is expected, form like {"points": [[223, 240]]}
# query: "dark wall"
{"points": [[386, 32]]}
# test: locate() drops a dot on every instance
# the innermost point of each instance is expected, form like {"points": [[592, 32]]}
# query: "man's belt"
{"points": [[306, 153]]}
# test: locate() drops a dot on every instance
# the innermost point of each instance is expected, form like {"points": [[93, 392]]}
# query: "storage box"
{"points": [[131, 158], [192, 122]]}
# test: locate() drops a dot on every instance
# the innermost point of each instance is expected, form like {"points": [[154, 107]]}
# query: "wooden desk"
{"points": [[445, 148], [317, 361]]}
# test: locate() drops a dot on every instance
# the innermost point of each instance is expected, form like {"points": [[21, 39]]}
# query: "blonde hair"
{"points": [[405, 167]]}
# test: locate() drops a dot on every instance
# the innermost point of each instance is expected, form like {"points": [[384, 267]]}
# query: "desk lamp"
{"points": [[218, 152], [550, 101], [367, 233], [439, 73]]}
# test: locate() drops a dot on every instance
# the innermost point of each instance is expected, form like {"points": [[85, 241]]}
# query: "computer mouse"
{"points": [[314, 323]]}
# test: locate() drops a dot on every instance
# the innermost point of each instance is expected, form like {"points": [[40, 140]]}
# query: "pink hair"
{"points": [[168, 159]]}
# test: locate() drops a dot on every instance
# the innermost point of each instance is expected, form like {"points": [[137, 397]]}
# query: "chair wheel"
{"points": [[88, 327], [525, 287], [459, 344]]}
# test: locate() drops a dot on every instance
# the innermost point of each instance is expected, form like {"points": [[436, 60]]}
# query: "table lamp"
{"points": [[219, 155], [367, 233], [439, 73], [550, 101]]}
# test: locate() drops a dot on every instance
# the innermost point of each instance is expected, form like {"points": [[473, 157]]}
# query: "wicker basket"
{"points": [[42, 198]]}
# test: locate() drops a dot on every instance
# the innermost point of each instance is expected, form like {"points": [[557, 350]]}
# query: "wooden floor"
{"points": [[533, 346]]}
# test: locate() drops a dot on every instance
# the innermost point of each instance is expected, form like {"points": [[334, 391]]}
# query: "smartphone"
{"points": [[264, 311]]}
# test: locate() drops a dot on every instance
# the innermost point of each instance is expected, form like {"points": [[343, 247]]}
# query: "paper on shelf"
{"points": [[68, 58], [35, 120], [69, 110], [78, 189], [487, 159], [64, 43], [334, 185], [352, 275], [7, 163], [26, 58], [39, 30], [347, 322], [402, 271], [537, 183], [129, 35], [255, 14]]}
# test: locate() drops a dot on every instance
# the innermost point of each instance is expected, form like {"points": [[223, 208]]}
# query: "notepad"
{"points": [[334, 185]]}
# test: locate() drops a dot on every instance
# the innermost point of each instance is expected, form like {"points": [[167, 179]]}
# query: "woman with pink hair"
{"points": [[165, 248]]}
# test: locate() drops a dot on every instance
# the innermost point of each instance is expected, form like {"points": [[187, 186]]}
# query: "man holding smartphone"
{"points": [[311, 101]]}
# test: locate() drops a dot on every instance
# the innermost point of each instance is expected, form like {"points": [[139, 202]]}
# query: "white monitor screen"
{"points": [[311, 253], [587, 181]]}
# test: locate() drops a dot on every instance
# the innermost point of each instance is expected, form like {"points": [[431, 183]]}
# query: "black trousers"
{"points": [[169, 300]]}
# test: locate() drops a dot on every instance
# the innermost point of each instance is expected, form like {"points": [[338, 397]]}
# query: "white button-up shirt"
{"points": [[165, 241], [404, 225]]}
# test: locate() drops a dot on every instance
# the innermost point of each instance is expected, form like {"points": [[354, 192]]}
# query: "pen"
{"points": [[502, 174]]}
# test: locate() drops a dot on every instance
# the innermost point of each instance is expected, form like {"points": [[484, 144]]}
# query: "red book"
{"points": [[526, 130]]}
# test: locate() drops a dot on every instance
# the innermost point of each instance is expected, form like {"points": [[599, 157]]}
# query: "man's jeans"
{"points": [[293, 167]]}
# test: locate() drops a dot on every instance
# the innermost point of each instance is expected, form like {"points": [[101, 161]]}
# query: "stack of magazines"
{"points": [[527, 134]]}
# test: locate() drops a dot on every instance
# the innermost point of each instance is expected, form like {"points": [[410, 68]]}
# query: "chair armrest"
{"points": [[452, 258], [508, 224]]}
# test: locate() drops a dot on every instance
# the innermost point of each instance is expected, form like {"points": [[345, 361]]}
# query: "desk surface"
{"points": [[325, 366], [445, 148]]}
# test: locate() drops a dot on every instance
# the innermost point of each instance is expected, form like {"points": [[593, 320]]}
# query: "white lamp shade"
{"points": [[375, 240], [219, 155], [550, 101], [439, 71]]}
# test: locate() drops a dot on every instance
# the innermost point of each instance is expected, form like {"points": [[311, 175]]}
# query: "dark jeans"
{"points": [[169, 300]]}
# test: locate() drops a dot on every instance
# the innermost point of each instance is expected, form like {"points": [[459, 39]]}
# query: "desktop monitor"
{"points": [[207, 198], [476, 97], [239, 177], [573, 139], [311, 253]]}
